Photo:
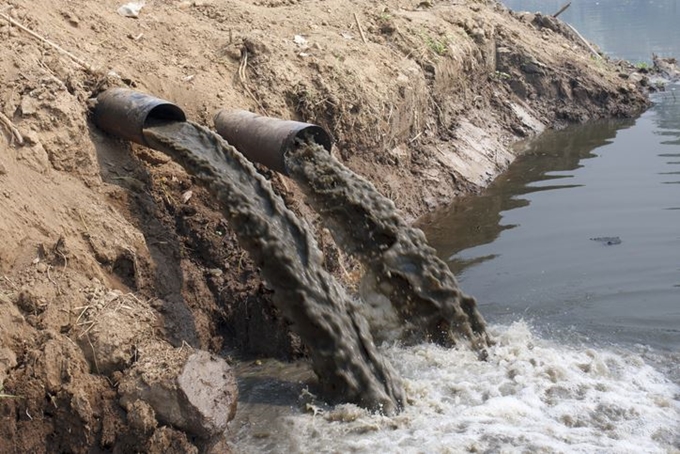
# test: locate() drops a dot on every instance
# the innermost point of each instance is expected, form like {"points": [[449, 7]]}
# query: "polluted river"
{"points": [[583, 318], [572, 255], [169, 285]]}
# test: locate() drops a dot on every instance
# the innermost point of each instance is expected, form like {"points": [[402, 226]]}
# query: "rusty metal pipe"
{"points": [[264, 139], [125, 113]]}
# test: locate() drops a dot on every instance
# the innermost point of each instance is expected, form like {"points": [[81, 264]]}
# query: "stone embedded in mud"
{"points": [[112, 326], [193, 391], [210, 387], [60, 361], [109, 348], [29, 106]]}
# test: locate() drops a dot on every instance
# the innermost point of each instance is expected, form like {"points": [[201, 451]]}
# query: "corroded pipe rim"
{"points": [[266, 139], [125, 113]]}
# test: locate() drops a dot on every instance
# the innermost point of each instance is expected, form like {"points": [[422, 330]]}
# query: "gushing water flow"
{"points": [[343, 354], [406, 270]]}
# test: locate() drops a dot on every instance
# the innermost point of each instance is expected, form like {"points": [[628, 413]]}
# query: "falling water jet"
{"points": [[367, 225], [343, 354], [407, 269]]}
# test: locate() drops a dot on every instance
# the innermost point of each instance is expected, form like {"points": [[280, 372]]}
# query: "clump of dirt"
{"points": [[108, 245]]}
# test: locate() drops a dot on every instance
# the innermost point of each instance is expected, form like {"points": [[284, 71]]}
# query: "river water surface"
{"points": [[581, 234], [628, 29], [527, 247], [574, 256]]}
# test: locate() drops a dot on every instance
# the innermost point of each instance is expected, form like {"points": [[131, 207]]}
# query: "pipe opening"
{"points": [[266, 140], [163, 113], [316, 134]]}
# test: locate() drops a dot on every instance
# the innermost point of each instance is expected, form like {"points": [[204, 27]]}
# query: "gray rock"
{"points": [[193, 391]]}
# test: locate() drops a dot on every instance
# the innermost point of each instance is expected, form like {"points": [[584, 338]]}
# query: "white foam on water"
{"points": [[531, 395]]}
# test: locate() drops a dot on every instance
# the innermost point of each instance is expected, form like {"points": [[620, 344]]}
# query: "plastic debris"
{"points": [[300, 40], [131, 9]]}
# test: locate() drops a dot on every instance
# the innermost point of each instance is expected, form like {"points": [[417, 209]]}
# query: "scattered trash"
{"points": [[187, 195], [347, 35], [608, 240], [189, 78], [300, 40], [131, 9]]}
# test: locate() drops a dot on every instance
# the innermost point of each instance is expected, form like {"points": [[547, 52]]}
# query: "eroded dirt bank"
{"points": [[119, 278]]}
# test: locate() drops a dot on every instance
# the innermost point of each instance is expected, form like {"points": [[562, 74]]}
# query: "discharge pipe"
{"points": [[265, 139], [125, 113]]}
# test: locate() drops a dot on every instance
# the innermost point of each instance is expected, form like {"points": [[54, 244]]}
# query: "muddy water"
{"points": [[532, 394], [344, 357], [530, 247], [586, 355], [404, 268]]}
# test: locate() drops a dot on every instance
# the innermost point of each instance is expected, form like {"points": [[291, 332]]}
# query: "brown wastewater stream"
{"points": [[343, 354], [405, 269]]}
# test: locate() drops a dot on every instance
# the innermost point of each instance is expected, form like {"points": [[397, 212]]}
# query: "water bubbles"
{"points": [[531, 395]]}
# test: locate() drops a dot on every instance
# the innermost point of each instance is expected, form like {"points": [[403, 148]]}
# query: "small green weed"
{"points": [[501, 75], [438, 46]]}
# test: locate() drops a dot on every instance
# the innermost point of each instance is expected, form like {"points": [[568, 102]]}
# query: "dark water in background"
{"points": [[524, 247], [628, 29]]}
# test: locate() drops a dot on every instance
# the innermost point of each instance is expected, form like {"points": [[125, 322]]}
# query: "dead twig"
{"points": [[89, 68], [414, 138], [244, 81], [361, 30], [13, 129], [563, 9], [82, 313], [82, 219], [11, 282], [94, 355], [587, 44], [49, 278], [9, 396]]}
